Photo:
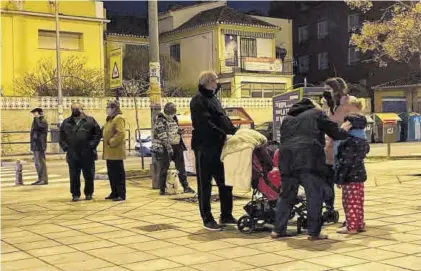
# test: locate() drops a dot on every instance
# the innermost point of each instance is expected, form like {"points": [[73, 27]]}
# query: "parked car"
{"points": [[265, 129], [146, 146]]}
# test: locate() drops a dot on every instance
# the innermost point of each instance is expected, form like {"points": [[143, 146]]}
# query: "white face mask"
{"points": [[109, 111]]}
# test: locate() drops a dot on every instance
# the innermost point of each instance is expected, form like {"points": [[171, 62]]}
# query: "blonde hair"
{"points": [[206, 77], [357, 102]]}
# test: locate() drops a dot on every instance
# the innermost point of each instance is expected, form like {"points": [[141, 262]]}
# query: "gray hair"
{"points": [[206, 77]]}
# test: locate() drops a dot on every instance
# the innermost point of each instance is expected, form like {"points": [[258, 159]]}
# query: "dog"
{"points": [[172, 180]]}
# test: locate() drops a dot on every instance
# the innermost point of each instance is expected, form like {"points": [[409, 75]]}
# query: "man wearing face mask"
{"points": [[79, 138], [211, 126], [168, 145]]}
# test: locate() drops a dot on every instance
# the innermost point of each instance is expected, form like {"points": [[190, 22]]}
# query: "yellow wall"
{"points": [[20, 52]]}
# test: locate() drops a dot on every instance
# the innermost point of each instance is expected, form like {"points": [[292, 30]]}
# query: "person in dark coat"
{"points": [[79, 138], [350, 174], [169, 145], [39, 132], [302, 162], [211, 125]]}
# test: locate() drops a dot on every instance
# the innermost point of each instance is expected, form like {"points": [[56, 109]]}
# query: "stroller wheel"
{"points": [[335, 216], [245, 224], [292, 215], [326, 217]]}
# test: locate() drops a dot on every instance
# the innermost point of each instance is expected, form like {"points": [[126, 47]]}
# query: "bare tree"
{"points": [[77, 79]]}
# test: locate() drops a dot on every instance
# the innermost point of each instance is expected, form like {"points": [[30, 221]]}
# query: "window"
{"points": [[248, 47], [303, 64], [354, 55], [353, 22], [250, 90], [322, 29], [322, 61], [175, 52], [281, 53], [226, 90], [302, 34], [68, 40]]}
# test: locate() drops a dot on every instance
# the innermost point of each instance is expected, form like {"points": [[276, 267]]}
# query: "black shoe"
{"points": [[118, 199], [88, 197], [39, 183], [189, 190], [228, 221], [75, 198], [110, 197], [162, 193], [212, 226]]}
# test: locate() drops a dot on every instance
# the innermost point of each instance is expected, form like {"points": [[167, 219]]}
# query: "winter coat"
{"points": [[211, 125], [39, 131], [80, 140], [344, 109], [114, 132], [237, 157], [303, 139], [161, 141], [349, 162]]}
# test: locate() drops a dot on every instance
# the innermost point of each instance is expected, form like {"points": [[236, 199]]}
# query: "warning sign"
{"points": [[115, 65]]}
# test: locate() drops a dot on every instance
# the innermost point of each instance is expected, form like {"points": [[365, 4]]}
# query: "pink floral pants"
{"points": [[353, 203]]}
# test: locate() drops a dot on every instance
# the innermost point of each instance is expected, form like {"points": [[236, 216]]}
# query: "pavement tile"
{"points": [[84, 265], [296, 266], [67, 233], [6, 248], [112, 268], [402, 237], [227, 265], [24, 239], [172, 251], [14, 256], [211, 245], [372, 267], [195, 258], [406, 248], [159, 264], [47, 228], [374, 254], [101, 252], [264, 259], [336, 261], [127, 258], [188, 240], [408, 262], [372, 242], [183, 268], [50, 251], [168, 234], [133, 239], [301, 254], [67, 258], [271, 246], [77, 239], [103, 228], [152, 245], [114, 234], [235, 252], [23, 264], [93, 245], [38, 244]]}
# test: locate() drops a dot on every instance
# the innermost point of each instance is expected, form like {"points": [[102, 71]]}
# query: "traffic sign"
{"points": [[116, 68]]}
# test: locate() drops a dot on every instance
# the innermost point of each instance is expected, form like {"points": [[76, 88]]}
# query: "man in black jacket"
{"points": [[302, 162], [39, 132], [79, 138], [211, 126]]}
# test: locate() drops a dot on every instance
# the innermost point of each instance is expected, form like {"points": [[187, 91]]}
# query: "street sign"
{"points": [[281, 105], [116, 68]]}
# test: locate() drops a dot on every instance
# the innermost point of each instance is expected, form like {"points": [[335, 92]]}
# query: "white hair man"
{"points": [[211, 126]]}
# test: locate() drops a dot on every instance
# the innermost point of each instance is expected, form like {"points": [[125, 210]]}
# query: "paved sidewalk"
{"points": [[43, 230]]}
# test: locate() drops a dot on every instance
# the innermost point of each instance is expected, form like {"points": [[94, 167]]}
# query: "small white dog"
{"points": [[172, 180]]}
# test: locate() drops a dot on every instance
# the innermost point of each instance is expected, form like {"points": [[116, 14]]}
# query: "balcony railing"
{"points": [[261, 65]]}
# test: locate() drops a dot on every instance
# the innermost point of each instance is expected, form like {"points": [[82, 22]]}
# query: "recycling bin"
{"points": [[387, 127]]}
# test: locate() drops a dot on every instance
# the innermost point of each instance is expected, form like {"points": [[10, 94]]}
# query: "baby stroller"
{"points": [[267, 185]]}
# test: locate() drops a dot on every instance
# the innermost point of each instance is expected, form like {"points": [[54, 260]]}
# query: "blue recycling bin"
{"points": [[414, 127]]}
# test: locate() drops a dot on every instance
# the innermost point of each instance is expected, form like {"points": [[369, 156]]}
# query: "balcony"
{"points": [[263, 65]]}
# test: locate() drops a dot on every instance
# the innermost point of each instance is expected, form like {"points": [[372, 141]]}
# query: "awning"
{"points": [[388, 117]]}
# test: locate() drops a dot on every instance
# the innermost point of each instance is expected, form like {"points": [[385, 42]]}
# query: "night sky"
{"points": [[139, 8]]}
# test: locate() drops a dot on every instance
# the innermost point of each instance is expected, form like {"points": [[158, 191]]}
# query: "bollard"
{"points": [[18, 170]]}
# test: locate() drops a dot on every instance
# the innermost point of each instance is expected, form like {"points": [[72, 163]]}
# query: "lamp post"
{"points": [[60, 94]]}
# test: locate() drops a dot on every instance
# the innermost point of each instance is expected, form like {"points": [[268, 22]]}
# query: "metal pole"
{"points": [[60, 94], [305, 81], [154, 76], [388, 150]]}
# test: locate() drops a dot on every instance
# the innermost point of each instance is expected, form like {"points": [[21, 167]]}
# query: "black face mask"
{"points": [[328, 97], [76, 113]]}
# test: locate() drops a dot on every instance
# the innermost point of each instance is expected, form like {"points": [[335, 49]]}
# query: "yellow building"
{"points": [[251, 54], [28, 36]]}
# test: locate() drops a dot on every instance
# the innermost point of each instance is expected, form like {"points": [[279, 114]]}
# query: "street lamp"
{"points": [[60, 94]]}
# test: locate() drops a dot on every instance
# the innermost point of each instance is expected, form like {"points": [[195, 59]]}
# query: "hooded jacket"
{"points": [[344, 109], [303, 139], [211, 125], [349, 165]]}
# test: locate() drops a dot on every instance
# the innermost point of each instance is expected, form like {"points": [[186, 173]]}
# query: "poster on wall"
{"points": [[231, 49], [281, 105]]}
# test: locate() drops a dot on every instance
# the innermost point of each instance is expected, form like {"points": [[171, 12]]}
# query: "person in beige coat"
{"points": [[114, 134]]}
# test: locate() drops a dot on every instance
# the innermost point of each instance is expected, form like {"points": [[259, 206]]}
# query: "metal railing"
{"points": [[6, 142]]}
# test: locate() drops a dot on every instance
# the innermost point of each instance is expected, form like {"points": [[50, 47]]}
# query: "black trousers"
{"points": [[164, 164], [87, 166], [117, 177], [315, 187], [330, 202], [208, 165]]}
